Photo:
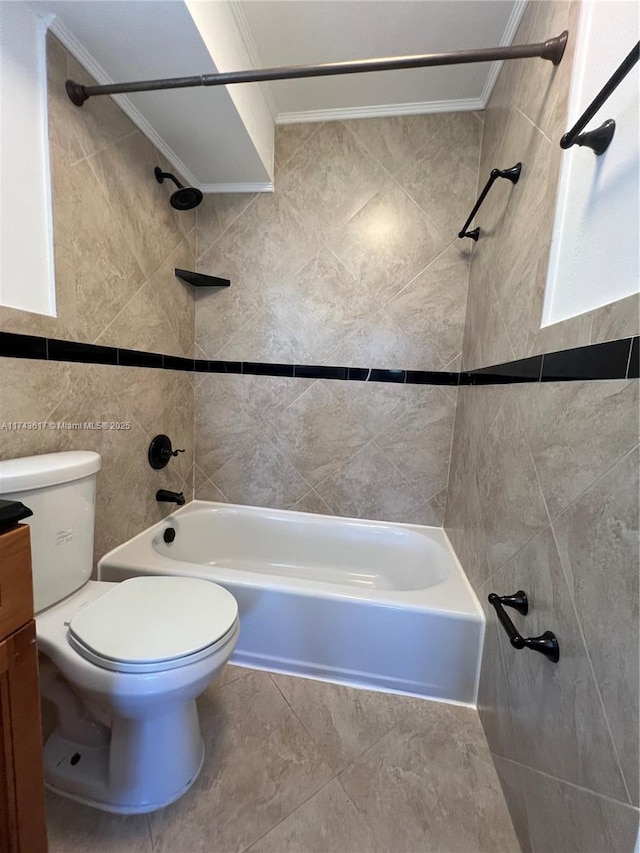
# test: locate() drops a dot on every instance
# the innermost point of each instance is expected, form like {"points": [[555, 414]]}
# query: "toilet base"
{"points": [[115, 777], [122, 809]]}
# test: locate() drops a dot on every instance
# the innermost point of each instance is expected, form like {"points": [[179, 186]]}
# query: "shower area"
{"points": [[356, 260], [345, 346]]}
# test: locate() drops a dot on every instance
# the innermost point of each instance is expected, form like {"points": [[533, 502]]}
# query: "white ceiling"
{"points": [[299, 32], [222, 139]]}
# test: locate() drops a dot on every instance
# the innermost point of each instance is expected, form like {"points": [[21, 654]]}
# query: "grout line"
{"points": [[392, 723], [424, 213], [591, 322], [216, 356], [296, 151], [522, 421], [422, 499], [350, 798], [566, 509], [614, 748], [340, 511], [105, 147], [453, 430], [593, 483], [502, 320], [532, 123], [199, 255], [416, 276], [213, 483], [290, 706], [626, 373], [484, 439], [151, 841], [146, 281], [566, 782], [290, 814]]}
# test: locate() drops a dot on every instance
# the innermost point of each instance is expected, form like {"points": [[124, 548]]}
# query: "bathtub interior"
{"points": [[356, 553]]}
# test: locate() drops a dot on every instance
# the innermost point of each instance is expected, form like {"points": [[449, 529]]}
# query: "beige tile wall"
{"points": [[543, 496], [354, 449], [354, 260], [117, 241]]}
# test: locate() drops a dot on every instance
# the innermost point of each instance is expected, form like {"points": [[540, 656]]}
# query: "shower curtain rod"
{"points": [[552, 49]]}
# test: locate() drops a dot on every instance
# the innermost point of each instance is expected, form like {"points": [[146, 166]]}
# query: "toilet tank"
{"points": [[60, 489]]}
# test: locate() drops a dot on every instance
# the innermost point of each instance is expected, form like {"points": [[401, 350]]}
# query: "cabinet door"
{"points": [[8, 827], [16, 586], [22, 818]]}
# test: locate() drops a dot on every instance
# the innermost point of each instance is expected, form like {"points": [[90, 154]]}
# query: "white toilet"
{"points": [[124, 662]]}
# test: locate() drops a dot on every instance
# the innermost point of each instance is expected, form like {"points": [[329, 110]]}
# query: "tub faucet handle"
{"points": [[160, 451]]}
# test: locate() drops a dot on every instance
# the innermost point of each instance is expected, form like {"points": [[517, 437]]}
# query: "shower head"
{"points": [[184, 198]]}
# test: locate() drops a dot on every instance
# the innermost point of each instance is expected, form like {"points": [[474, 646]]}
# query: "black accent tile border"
{"points": [[432, 377], [599, 361], [137, 358], [317, 371], [264, 369], [374, 374], [75, 351], [176, 362], [618, 359], [22, 346], [357, 374], [218, 366], [522, 370]]}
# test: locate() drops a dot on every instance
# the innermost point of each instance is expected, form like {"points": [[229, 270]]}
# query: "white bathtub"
{"points": [[380, 605]]}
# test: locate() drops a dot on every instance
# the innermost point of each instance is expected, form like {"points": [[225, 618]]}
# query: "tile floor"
{"points": [[301, 766]]}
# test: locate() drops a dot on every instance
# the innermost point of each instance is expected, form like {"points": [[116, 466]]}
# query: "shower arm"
{"points": [[552, 50]]}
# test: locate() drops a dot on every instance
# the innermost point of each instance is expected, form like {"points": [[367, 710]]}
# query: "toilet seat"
{"points": [[153, 623]]}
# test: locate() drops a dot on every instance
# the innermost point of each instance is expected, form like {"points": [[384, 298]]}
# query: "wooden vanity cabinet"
{"points": [[22, 815]]}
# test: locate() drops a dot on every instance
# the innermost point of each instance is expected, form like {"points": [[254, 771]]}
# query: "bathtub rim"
{"points": [[400, 599]]}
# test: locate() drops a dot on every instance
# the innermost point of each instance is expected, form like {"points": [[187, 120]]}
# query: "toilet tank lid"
{"points": [[47, 469]]}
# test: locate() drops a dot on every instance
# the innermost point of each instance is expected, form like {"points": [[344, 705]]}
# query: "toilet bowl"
{"points": [[140, 674], [123, 662]]}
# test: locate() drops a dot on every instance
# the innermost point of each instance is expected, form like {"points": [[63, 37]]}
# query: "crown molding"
{"points": [[507, 37], [266, 187], [381, 111], [78, 50], [241, 22]]}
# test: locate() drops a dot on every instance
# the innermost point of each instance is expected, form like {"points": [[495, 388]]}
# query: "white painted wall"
{"points": [[218, 30], [26, 232], [595, 250]]}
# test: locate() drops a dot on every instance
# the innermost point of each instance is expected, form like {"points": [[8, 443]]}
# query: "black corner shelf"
{"points": [[198, 279]]}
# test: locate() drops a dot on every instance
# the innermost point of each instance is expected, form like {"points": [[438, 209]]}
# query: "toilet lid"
{"points": [[153, 620]]}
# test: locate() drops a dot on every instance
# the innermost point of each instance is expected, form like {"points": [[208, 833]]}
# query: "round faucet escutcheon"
{"points": [[160, 451]]}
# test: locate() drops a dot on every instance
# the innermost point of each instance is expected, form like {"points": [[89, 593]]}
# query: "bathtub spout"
{"points": [[165, 496]]}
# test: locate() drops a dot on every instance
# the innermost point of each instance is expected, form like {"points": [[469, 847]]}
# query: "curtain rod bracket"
{"points": [[598, 140], [76, 93], [554, 48]]}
